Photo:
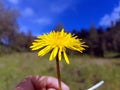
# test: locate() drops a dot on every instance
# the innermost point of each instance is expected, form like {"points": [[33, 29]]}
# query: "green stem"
{"points": [[58, 72]]}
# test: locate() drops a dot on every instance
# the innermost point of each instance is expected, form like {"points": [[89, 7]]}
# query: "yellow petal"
{"points": [[74, 48], [84, 46], [37, 46], [62, 32], [66, 58], [54, 53], [59, 54], [38, 40], [44, 51]]}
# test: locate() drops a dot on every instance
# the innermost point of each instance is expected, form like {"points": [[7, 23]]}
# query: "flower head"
{"points": [[57, 42]]}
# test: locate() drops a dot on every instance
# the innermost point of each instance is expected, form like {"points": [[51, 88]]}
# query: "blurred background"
{"points": [[95, 22]]}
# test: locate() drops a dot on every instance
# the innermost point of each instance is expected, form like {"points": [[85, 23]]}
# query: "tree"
{"points": [[8, 22], [95, 43]]}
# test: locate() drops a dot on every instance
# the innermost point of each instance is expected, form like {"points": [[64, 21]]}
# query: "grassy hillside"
{"points": [[82, 73]]}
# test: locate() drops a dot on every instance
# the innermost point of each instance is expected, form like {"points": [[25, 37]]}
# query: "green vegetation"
{"points": [[82, 73], [4, 49]]}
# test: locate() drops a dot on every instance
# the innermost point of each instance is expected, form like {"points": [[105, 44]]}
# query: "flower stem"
{"points": [[58, 72]]}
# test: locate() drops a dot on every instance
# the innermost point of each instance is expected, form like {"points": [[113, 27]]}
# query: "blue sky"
{"points": [[41, 16]]}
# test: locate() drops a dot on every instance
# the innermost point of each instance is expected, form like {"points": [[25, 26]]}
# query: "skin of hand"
{"points": [[40, 83]]}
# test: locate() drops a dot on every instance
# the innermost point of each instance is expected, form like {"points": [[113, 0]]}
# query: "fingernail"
{"points": [[51, 89]]}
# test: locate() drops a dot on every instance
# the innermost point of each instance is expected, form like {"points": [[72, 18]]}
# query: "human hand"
{"points": [[40, 83]]}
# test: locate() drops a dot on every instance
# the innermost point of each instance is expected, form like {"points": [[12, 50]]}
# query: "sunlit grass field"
{"points": [[82, 73]]}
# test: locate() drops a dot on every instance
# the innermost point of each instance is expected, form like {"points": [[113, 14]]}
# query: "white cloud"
{"points": [[14, 1], [43, 21], [58, 9], [60, 6], [105, 21], [111, 18], [27, 12]]}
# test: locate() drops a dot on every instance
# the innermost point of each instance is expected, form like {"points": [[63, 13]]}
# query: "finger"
{"points": [[53, 83], [26, 84], [39, 82], [47, 82]]}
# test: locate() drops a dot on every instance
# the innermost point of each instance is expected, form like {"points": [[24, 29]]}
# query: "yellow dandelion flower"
{"points": [[57, 42]]}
